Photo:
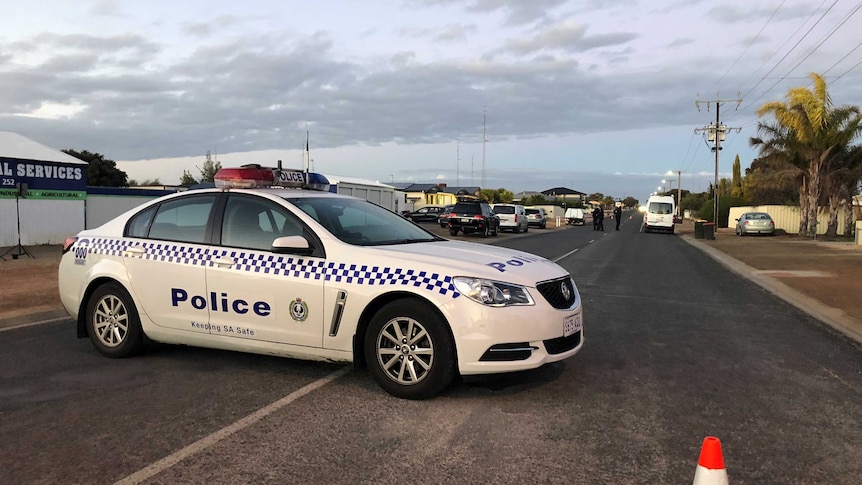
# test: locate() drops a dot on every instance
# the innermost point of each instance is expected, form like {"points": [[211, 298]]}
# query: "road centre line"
{"points": [[207, 441], [573, 251]]}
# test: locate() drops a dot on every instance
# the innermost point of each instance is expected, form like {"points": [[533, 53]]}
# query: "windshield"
{"points": [[661, 208], [361, 223]]}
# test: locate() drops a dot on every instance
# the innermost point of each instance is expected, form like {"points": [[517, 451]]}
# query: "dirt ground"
{"points": [[29, 285]]}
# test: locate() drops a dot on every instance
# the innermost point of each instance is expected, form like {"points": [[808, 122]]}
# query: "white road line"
{"points": [[573, 251], [225, 432], [52, 320]]}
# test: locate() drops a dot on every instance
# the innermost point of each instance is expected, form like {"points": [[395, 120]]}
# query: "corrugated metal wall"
{"points": [[787, 217], [103, 208], [43, 221]]}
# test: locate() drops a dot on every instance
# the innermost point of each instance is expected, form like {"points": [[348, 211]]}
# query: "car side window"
{"points": [[253, 223], [182, 219], [139, 225]]}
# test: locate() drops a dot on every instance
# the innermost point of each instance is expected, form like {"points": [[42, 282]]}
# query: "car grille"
{"points": [[562, 344], [552, 291]]}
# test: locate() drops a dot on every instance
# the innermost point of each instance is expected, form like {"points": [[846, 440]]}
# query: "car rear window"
{"points": [[506, 209], [532, 211]]}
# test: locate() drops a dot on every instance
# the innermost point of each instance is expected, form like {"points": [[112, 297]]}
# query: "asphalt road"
{"points": [[677, 348]]}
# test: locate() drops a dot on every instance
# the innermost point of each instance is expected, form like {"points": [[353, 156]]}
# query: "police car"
{"points": [[263, 264]]}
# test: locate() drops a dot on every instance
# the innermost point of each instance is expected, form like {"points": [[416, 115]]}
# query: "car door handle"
{"points": [[134, 251], [224, 262]]}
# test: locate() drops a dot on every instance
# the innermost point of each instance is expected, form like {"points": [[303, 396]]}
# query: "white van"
{"points": [[659, 214], [513, 217], [575, 216]]}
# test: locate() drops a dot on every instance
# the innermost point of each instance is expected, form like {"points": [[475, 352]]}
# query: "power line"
{"points": [[789, 52], [750, 43]]}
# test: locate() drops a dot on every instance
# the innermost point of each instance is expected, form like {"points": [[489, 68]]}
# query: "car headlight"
{"points": [[492, 293]]}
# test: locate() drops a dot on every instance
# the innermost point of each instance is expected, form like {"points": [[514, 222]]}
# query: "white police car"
{"points": [[315, 275]]}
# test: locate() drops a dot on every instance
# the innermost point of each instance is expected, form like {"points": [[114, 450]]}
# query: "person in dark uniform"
{"points": [[601, 226], [618, 214], [596, 219]]}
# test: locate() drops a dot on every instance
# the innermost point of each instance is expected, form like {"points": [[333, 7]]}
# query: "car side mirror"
{"points": [[292, 245]]}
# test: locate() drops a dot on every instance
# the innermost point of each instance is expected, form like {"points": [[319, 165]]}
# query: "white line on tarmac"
{"points": [[573, 251], [52, 320], [225, 432]]}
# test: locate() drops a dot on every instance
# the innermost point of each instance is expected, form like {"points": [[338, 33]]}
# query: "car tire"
{"points": [[485, 231], [113, 322], [544, 225], [495, 231], [527, 229], [401, 335]]}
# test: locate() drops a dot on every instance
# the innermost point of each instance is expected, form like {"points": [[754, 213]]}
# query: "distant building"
{"points": [[565, 195], [417, 196]]}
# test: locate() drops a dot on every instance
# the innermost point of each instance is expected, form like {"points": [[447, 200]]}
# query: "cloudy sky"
{"points": [[594, 95]]}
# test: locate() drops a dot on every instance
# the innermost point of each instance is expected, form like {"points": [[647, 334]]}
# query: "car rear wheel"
{"points": [[409, 350], [113, 322], [453, 232], [485, 231]]}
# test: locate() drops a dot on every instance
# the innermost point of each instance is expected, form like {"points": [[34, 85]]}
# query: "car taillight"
{"points": [[746, 223], [68, 243], [479, 217], [771, 223]]}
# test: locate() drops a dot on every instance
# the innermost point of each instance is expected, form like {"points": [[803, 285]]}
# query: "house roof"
{"points": [[562, 191], [13, 145]]}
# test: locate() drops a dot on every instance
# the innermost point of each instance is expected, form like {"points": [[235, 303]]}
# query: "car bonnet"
{"points": [[457, 258]]}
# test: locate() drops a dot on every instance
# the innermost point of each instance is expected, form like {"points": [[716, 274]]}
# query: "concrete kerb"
{"points": [[833, 317]]}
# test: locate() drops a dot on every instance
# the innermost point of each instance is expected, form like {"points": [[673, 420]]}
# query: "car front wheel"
{"points": [[113, 322], [409, 350]]}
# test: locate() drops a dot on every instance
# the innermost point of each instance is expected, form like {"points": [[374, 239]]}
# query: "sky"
{"points": [[596, 95]]}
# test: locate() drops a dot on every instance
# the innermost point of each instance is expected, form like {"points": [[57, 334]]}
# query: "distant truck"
{"points": [[575, 217]]}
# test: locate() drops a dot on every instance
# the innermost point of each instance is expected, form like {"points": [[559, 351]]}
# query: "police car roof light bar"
{"points": [[253, 175]]}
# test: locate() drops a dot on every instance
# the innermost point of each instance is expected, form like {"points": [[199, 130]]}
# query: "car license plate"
{"points": [[466, 219], [572, 324]]}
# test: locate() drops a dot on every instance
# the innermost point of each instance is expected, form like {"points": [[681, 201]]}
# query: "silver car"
{"points": [[755, 223]]}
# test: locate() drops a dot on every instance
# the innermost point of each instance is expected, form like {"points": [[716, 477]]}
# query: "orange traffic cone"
{"points": [[710, 466]]}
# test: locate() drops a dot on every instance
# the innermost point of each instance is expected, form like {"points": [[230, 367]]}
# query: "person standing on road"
{"points": [[601, 224], [618, 214], [595, 218]]}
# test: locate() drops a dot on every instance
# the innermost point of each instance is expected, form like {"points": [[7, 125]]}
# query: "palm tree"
{"points": [[780, 153], [819, 130]]}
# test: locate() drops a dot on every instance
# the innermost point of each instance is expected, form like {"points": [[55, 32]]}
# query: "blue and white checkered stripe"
{"points": [[287, 266]]}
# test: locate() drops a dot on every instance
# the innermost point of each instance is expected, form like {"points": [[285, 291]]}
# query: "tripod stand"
{"points": [[20, 191]]}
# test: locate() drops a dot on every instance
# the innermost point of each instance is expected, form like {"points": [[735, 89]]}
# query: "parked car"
{"points": [[443, 218], [755, 223], [536, 217], [575, 216], [513, 217], [429, 213], [473, 216]]}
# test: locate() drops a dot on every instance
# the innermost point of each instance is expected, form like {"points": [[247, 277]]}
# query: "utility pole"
{"points": [[678, 192], [458, 164], [484, 140], [716, 133]]}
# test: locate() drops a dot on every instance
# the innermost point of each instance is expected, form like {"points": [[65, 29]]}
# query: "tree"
{"points": [[101, 172], [630, 201], [209, 169], [736, 188], [820, 130], [187, 180], [766, 184], [145, 182]]}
